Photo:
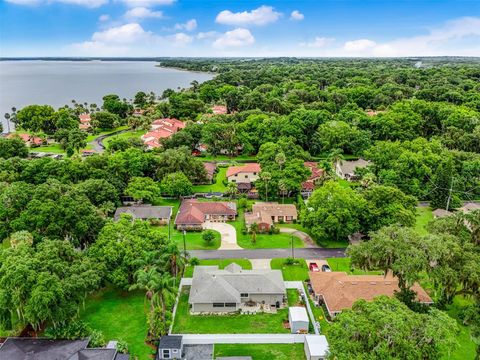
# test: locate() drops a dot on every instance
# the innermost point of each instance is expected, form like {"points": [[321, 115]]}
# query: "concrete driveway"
{"points": [[307, 240], [227, 232]]}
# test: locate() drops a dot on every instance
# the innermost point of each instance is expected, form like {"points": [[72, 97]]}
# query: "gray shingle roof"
{"points": [[210, 284], [349, 167], [94, 354], [40, 349], [170, 342], [145, 212]]}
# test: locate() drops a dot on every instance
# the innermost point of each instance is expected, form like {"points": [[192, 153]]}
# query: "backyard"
{"points": [[217, 186], [424, 216], [120, 316], [131, 134], [262, 351], [185, 323]]}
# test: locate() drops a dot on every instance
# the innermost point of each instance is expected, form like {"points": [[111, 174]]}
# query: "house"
{"points": [[298, 319], [338, 290], [265, 214], [28, 139], [161, 129], [219, 110], [316, 175], [247, 173], [192, 213], [162, 214], [220, 291], [170, 347], [85, 121], [210, 168], [346, 169], [469, 206], [441, 213], [18, 348], [316, 347]]}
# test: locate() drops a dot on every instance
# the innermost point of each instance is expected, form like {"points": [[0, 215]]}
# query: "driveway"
{"points": [[261, 264], [305, 253], [227, 233], [307, 240]]}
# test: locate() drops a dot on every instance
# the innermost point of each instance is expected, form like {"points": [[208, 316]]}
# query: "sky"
{"points": [[202, 28]]}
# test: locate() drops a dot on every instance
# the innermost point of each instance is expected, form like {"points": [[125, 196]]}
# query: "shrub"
{"points": [[122, 347], [208, 236], [194, 261], [77, 329]]}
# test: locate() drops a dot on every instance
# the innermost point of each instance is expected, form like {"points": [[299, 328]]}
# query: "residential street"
{"points": [[305, 253]]}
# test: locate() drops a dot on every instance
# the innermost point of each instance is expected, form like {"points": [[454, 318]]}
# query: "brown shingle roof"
{"points": [[192, 212], [340, 290], [210, 168], [247, 168], [274, 209]]}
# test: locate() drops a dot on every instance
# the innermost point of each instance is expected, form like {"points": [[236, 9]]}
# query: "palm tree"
{"points": [[253, 231], [232, 189], [280, 159], [147, 279], [335, 157], [282, 186], [194, 84], [172, 258], [266, 177], [7, 117]]}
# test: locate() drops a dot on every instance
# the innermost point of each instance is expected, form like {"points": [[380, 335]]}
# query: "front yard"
{"points": [[120, 316], [262, 351], [295, 272], [226, 324], [244, 263], [193, 239], [263, 241]]}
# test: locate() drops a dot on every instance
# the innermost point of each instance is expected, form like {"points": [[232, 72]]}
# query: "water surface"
{"points": [[57, 83]]}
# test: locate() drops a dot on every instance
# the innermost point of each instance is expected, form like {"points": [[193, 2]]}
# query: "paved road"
{"points": [[305, 253], [97, 143]]}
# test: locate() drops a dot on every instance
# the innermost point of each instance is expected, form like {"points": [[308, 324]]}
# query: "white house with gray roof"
{"points": [[345, 169], [146, 212], [215, 290]]}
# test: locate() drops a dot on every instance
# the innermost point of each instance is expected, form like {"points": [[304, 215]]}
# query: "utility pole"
{"points": [[449, 194]]}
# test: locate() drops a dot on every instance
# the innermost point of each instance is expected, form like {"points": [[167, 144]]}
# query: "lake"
{"points": [[56, 83]]}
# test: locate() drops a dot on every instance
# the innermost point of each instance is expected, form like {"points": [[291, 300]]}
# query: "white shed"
{"points": [[298, 318], [316, 347]]}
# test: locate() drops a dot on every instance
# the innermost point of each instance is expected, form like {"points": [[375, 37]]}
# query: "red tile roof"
{"points": [[247, 168], [316, 173], [210, 168], [85, 117], [219, 110]]}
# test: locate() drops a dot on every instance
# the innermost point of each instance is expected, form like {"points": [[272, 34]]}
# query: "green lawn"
{"points": [[132, 134], [262, 351], [263, 241], [244, 263], [343, 264], [466, 348], [175, 203], [119, 315], [291, 272], [424, 216], [193, 239], [226, 324], [225, 158], [319, 316], [218, 186]]}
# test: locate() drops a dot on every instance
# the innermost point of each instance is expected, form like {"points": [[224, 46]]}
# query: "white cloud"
{"points": [[318, 42], [124, 34], [86, 3], [296, 15], [261, 16], [146, 3], [234, 38], [207, 35], [181, 39], [142, 13], [359, 45], [190, 25], [104, 17]]}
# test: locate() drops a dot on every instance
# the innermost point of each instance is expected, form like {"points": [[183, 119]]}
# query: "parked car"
{"points": [[313, 267], [326, 268]]}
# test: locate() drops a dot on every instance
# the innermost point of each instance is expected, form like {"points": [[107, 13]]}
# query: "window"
{"points": [[289, 218], [166, 353], [254, 173], [218, 305], [230, 305], [244, 295]]}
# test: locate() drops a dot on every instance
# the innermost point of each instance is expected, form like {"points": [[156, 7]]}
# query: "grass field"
{"points": [[291, 272], [244, 263], [193, 239], [132, 134], [119, 315], [262, 351], [174, 203], [424, 216], [215, 187], [343, 264], [263, 241], [226, 324]]}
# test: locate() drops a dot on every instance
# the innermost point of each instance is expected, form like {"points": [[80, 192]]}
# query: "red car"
{"points": [[313, 267]]}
